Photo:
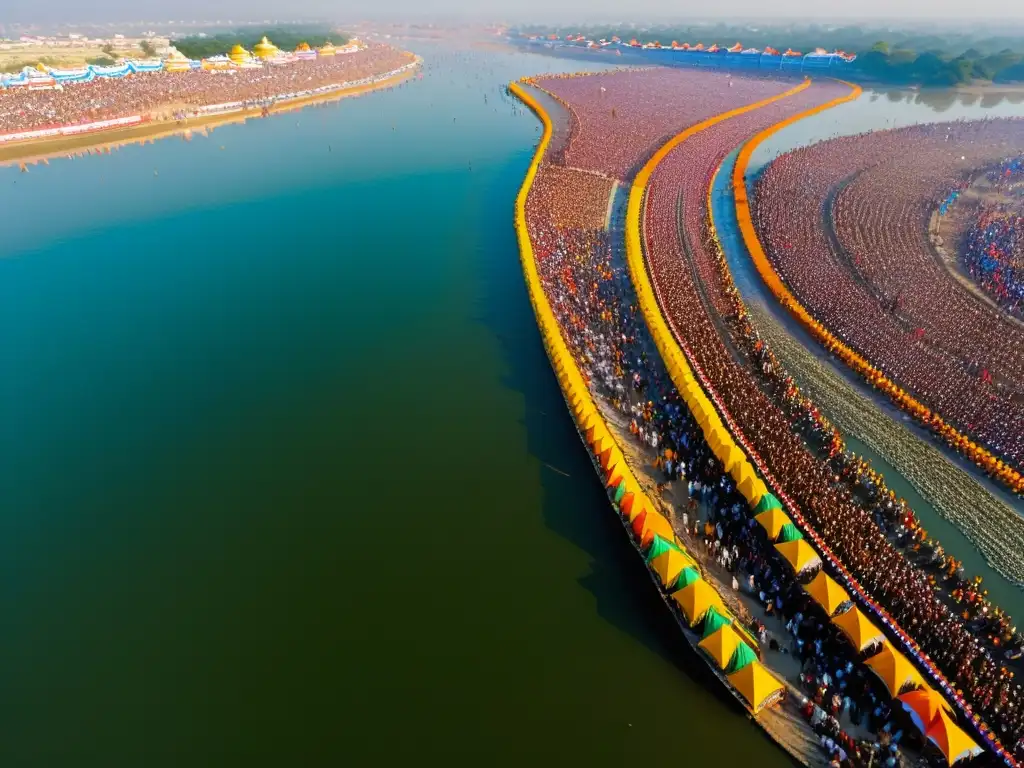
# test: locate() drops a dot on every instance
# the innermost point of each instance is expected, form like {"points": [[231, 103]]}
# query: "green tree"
{"points": [[881, 47], [148, 49]]}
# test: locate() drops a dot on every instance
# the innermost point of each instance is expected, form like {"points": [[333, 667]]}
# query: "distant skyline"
{"points": [[100, 11]]}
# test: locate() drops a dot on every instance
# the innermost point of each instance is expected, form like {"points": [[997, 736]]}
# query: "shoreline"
{"points": [[40, 151]]}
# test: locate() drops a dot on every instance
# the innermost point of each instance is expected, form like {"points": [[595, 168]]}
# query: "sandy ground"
{"points": [[36, 151]]}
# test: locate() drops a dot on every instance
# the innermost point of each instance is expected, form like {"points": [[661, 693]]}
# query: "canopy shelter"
{"points": [[790, 532], [923, 706], [773, 520], [766, 502], [686, 577], [757, 685], [669, 565], [714, 621], [858, 630], [894, 670], [827, 593], [951, 740], [721, 644], [659, 546], [649, 524], [696, 600], [752, 488], [799, 554], [741, 657]]}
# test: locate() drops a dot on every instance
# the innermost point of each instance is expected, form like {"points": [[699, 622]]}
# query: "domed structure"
{"points": [[303, 46], [264, 49], [239, 55], [327, 49]]}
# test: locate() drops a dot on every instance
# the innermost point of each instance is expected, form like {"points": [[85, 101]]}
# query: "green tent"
{"points": [[741, 657], [767, 502], [714, 621], [620, 492], [790, 532], [686, 577], [660, 546]]}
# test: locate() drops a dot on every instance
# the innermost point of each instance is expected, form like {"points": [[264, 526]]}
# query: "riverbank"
{"points": [[33, 151]]}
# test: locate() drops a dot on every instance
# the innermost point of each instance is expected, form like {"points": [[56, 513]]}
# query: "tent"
{"points": [[653, 524], [951, 740], [860, 632], [620, 492], [686, 577], [772, 521], [790, 532], [894, 670], [731, 456], [721, 645], [752, 488], [766, 502], [714, 621], [799, 554], [741, 657], [696, 599], [626, 504], [757, 685], [923, 705], [827, 593], [659, 546], [669, 565]]}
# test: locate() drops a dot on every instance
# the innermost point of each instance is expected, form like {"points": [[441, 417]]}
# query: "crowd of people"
{"points": [[619, 117], [993, 249], [845, 223], [590, 293], [166, 94], [874, 534]]}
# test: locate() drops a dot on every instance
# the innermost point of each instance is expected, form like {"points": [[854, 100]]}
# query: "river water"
{"points": [[286, 477]]}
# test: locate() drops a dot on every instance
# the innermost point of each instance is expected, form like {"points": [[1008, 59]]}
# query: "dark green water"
{"points": [[274, 462]]}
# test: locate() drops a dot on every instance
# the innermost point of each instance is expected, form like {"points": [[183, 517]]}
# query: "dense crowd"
{"points": [[619, 117], [845, 223], [993, 249], [164, 94], [590, 293]]}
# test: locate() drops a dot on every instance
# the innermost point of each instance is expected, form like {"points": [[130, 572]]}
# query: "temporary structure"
{"points": [[714, 621], [757, 685], [721, 644], [766, 502], [827, 593], [951, 740], [741, 657], [799, 554], [923, 705], [772, 521], [696, 599], [790, 532], [686, 577], [669, 565], [894, 670], [858, 630]]}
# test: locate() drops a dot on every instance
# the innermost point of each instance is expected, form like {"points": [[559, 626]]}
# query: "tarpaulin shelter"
{"points": [[827, 593], [686, 577], [714, 621], [894, 670], [669, 565], [741, 657], [731, 457], [951, 740], [772, 521], [757, 685], [799, 554], [721, 645], [659, 546], [653, 524], [923, 706], [858, 630], [790, 532], [696, 599], [766, 502], [752, 488]]}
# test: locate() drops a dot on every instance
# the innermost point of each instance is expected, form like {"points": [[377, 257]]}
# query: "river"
{"points": [[286, 477]]}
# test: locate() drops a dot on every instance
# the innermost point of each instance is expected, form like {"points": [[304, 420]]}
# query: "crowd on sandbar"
{"points": [[166, 95], [865, 268]]}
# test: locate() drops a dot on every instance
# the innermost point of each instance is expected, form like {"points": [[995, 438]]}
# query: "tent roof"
{"points": [[772, 521], [799, 554], [751, 487], [743, 656], [923, 705], [669, 565], [894, 670], [659, 546], [766, 502], [756, 684], [687, 576], [951, 739], [721, 644], [714, 621], [696, 599], [790, 532], [861, 632], [827, 593], [655, 524]]}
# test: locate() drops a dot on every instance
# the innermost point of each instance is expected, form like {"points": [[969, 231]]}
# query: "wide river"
{"points": [[285, 478]]}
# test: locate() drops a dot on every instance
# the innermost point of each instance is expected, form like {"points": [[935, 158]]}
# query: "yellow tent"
{"points": [[861, 632], [827, 593], [799, 554], [656, 523], [757, 685], [669, 565], [951, 740], [717, 439], [893, 668], [923, 705], [772, 521], [696, 599], [721, 644], [752, 488], [731, 456]]}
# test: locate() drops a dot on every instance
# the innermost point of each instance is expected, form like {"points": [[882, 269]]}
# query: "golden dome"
{"points": [[327, 49], [238, 49], [303, 46], [41, 68], [264, 48]]}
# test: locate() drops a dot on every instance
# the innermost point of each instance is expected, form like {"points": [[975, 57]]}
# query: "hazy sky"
{"points": [[102, 10]]}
